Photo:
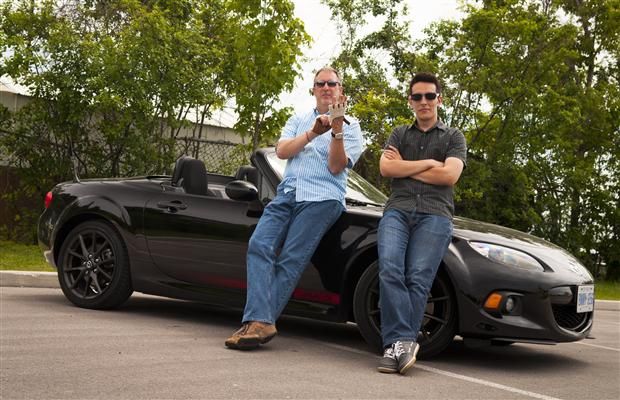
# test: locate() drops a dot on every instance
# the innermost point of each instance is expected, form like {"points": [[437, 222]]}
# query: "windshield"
{"points": [[358, 188]]}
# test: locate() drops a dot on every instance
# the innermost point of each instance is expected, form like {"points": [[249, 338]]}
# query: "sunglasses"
{"points": [[427, 96], [320, 84]]}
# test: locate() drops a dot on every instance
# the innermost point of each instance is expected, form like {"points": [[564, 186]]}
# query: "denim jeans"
{"points": [[411, 246], [295, 227]]}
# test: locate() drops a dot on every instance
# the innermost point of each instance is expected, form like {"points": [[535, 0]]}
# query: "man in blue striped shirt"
{"points": [[320, 149]]}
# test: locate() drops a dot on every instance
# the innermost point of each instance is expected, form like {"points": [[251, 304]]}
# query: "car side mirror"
{"points": [[241, 190]]}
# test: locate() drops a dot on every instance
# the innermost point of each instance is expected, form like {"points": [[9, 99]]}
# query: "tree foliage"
{"points": [[534, 87], [261, 66], [114, 82]]}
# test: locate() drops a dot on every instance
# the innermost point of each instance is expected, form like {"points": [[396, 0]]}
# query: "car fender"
{"points": [[454, 266], [363, 254], [89, 207]]}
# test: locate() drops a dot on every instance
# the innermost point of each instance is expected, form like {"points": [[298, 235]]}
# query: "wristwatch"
{"points": [[337, 136]]}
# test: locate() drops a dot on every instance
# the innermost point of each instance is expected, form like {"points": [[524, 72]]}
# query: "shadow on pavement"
{"points": [[516, 357]]}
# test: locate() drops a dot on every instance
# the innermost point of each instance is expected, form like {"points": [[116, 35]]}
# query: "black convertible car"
{"points": [[185, 236]]}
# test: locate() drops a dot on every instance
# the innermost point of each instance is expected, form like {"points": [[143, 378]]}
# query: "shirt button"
{"points": [[421, 147]]}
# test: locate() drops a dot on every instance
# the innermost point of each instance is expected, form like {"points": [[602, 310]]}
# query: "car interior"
{"points": [[190, 176]]}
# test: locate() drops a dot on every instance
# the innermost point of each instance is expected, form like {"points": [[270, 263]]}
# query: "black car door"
{"points": [[201, 240]]}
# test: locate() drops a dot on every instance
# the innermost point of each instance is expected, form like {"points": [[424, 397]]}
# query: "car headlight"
{"points": [[507, 256]]}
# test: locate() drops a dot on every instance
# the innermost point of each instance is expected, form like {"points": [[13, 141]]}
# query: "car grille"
{"points": [[567, 317]]}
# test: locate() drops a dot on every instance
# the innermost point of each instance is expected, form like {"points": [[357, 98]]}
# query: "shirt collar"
{"points": [[438, 125]]}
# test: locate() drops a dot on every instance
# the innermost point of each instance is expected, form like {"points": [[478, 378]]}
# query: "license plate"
{"points": [[585, 298]]}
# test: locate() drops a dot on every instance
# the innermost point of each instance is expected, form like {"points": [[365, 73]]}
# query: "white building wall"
{"points": [[218, 127]]}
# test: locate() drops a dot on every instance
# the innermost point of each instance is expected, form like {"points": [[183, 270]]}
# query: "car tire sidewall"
{"points": [[361, 298], [119, 289], [441, 340], [371, 332]]}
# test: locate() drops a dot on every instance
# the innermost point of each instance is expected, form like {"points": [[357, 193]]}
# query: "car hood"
{"points": [[552, 255]]}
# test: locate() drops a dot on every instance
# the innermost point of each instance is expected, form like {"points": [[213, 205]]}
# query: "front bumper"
{"points": [[540, 319]]}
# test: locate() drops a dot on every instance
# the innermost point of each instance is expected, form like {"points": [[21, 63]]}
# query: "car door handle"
{"points": [[172, 206]]}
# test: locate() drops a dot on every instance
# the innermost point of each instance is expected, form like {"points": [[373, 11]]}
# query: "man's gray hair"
{"points": [[328, 68]]}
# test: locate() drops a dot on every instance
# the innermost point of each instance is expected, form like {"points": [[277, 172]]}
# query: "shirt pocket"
{"points": [[409, 150], [439, 150]]}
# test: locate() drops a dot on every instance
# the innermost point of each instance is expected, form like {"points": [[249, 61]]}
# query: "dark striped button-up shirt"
{"points": [[438, 143]]}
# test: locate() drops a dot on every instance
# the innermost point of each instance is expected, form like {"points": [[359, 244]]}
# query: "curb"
{"points": [[607, 305], [50, 280], [29, 279]]}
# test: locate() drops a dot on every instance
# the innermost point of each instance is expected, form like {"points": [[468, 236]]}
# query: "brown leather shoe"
{"points": [[251, 335]]}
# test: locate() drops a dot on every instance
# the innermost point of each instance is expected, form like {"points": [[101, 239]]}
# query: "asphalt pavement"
{"points": [[159, 348]]}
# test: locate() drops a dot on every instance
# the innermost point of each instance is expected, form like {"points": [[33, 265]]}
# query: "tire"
{"points": [[366, 307], [440, 317], [93, 267]]}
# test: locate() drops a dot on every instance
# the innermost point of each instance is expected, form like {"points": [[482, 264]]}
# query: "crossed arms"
{"points": [[428, 171]]}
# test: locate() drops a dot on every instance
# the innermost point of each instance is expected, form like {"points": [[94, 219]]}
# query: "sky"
{"points": [[326, 43]]}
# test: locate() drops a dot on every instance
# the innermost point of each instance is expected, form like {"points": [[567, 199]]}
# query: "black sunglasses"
{"points": [[427, 96], [320, 84]]}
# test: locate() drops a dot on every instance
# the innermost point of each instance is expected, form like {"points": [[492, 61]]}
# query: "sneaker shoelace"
{"points": [[399, 349], [389, 353]]}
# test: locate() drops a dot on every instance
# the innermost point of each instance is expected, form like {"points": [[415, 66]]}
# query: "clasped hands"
{"points": [[334, 120]]}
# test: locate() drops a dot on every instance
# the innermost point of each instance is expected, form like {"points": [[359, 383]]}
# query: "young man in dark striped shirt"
{"points": [[424, 160]]}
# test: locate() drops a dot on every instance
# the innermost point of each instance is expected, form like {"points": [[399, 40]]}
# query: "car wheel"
{"points": [[440, 317], [93, 267]]}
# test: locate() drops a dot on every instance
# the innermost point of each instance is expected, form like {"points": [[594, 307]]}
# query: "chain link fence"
{"points": [[220, 157]]}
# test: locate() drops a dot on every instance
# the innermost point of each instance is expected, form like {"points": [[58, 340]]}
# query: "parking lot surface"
{"points": [[161, 348]]}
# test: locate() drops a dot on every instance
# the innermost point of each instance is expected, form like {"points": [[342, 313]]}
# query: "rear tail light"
{"points": [[48, 199]]}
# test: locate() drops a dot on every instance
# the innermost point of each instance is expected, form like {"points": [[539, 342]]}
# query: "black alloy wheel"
{"points": [[93, 267], [440, 316]]}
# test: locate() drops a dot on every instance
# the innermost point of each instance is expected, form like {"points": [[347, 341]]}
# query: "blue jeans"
{"points": [[411, 246], [295, 227]]}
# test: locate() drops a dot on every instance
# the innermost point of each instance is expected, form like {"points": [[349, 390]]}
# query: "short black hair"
{"points": [[424, 77]]}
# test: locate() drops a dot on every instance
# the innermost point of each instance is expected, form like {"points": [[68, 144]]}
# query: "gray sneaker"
{"points": [[388, 363], [405, 353]]}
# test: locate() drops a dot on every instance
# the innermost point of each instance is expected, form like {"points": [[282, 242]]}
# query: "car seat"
{"points": [[247, 173], [191, 175]]}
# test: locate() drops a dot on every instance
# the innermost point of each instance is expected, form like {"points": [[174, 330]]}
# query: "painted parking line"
{"points": [[454, 375], [597, 346], [485, 383]]}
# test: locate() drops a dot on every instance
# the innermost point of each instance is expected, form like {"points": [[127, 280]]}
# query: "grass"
{"points": [[24, 257], [607, 290]]}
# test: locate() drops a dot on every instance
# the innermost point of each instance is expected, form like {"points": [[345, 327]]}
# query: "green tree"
{"points": [[115, 83], [536, 89], [374, 99], [534, 86], [262, 61]]}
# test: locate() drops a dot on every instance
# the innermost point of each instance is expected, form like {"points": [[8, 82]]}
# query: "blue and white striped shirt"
{"points": [[307, 173]]}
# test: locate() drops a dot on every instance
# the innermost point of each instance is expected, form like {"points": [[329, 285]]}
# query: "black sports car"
{"points": [[185, 236]]}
